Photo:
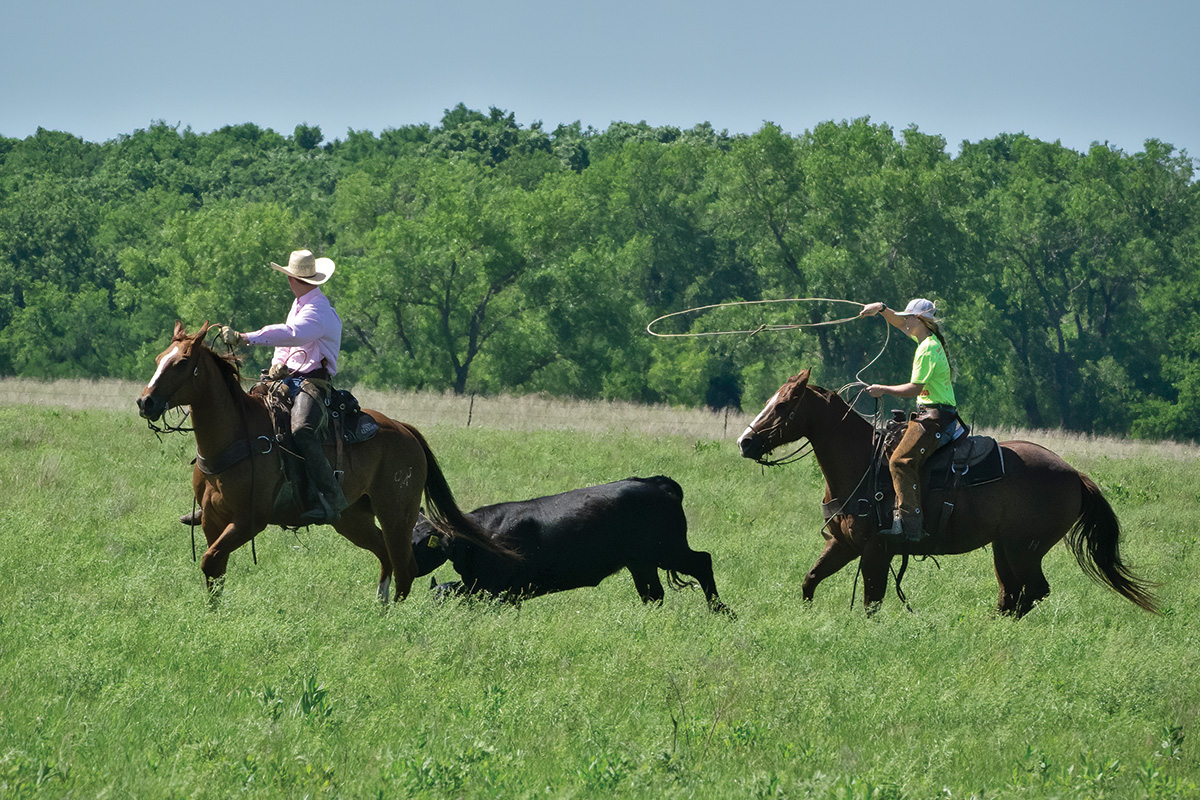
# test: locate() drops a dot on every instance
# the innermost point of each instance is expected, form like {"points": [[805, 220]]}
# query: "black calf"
{"points": [[576, 539]]}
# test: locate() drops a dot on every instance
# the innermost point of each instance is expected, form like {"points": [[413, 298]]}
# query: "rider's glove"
{"points": [[231, 337]]}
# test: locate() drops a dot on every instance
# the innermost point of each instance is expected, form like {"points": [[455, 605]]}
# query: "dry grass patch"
{"points": [[534, 412]]}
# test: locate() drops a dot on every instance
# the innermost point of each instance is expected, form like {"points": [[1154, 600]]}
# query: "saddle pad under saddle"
{"points": [[356, 425]]}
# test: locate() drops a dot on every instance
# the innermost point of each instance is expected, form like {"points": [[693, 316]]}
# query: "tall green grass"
{"points": [[117, 679]]}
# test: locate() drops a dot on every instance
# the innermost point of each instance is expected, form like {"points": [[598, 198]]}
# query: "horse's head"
{"points": [[173, 382], [781, 421]]}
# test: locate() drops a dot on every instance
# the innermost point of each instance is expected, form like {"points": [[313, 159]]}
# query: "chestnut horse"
{"points": [[384, 479], [1040, 500]]}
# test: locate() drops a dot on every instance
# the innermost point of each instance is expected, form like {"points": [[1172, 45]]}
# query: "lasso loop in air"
{"points": [[859, 382], [792, 326]]}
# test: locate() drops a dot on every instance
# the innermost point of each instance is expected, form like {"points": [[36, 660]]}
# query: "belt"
{"points": [[936, 406], [318, 374]]}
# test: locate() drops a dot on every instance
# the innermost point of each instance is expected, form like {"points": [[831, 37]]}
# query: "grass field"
{"points": [[118, 680]]}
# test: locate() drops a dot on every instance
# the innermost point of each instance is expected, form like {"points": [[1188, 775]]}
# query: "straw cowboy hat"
{"points": [[303, 266], [919, 307]]}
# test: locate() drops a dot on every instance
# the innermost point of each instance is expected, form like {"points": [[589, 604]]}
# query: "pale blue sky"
{"points": [[1078, 72]]}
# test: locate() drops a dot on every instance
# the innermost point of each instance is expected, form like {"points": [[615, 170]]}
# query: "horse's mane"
{"points": [[230, 367], [828, 395]]}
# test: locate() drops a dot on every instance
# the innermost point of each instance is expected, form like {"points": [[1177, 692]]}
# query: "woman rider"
{"points": [[936, 414]]}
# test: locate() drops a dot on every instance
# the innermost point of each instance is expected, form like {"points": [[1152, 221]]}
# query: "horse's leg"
{"points": [[836, 555], [1025, 561], [396, 514], [875, 561], [649, 587], [221, 543], [397, 536], [357, 524], [1009, 592]]}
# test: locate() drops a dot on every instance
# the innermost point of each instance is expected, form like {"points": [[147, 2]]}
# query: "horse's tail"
{"points": [[442, 509], [1095, 541]]}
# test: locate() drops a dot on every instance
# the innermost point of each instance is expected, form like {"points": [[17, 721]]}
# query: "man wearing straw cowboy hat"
{"points": [[306, 346]]}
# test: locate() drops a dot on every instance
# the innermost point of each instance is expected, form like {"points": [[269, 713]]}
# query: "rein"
{"points": [[790, 458]]}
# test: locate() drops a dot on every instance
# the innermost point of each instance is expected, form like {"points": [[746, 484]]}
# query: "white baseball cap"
{"points": [[920, 307]]}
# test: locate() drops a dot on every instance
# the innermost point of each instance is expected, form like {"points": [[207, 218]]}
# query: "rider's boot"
{"points": [[326, 500]]}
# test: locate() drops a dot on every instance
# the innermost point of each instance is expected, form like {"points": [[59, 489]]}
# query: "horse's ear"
{"points": [[793, 386], [801, 380], [200, 334], [179, 331]]}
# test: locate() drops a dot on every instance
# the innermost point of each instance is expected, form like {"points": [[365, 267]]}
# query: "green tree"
{"points": [[439, 272]]}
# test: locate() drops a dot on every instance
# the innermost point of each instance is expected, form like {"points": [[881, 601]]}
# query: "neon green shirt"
{"points": [[931, 368]]}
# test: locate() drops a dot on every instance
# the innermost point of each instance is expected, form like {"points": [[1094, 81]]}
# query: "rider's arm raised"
{"points": [[871, 309]]}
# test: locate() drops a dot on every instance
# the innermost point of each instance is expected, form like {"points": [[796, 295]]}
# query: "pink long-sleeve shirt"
{"points": [[311, 334]]}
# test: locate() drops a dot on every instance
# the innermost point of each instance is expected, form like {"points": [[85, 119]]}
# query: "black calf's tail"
{"points": [[677, 582], [1095, 541]]}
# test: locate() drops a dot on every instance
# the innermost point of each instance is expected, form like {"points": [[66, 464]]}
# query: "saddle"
{"points": [[964, 462], [346, 422]]}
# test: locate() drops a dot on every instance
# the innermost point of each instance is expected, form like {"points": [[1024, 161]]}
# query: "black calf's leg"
{"points": [[698, 564], [648, 584]]}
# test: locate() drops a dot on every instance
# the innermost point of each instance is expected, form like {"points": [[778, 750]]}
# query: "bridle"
{"points": [[792, 457], [804, 449], [796, 455]]}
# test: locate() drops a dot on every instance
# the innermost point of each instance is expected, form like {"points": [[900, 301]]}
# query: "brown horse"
{"points": [[1040, 500], [384, 479]]}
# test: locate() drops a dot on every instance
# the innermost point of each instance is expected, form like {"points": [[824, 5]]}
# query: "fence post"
{"points": [[471, 409]]}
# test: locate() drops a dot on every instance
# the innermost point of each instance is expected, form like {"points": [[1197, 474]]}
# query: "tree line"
{"points": [[482, 255]]}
